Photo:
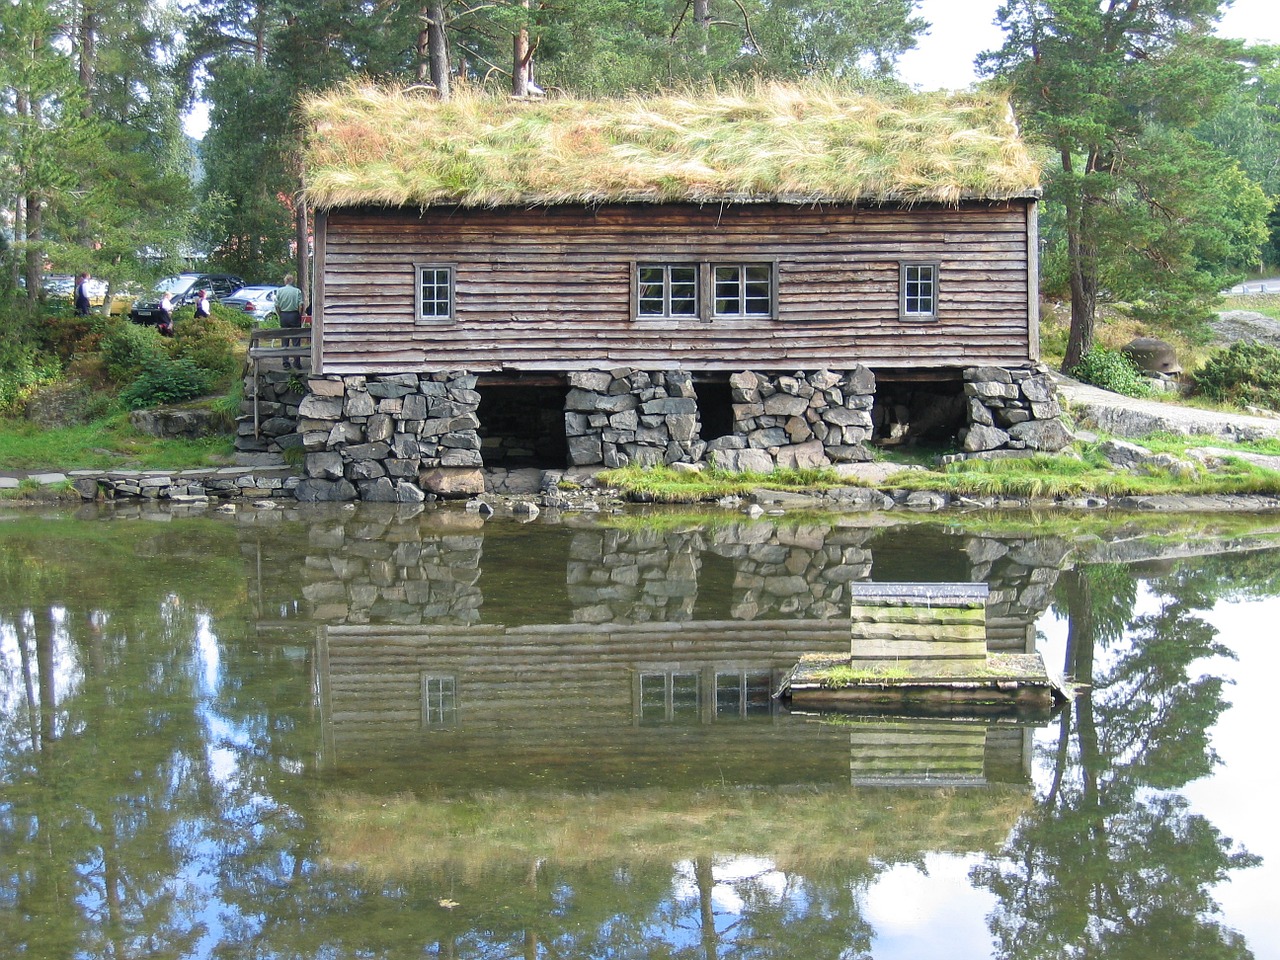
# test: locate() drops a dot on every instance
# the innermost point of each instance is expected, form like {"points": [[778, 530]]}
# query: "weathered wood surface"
{"points": [[550, 289]]}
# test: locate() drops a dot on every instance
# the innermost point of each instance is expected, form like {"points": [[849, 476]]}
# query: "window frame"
{"points": [[450, 271], [666, 267], [742, 265], [935, 269], [438, 708]]}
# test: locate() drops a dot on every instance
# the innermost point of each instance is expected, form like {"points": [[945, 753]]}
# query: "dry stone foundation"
{"points": [[1013, 409], [406, 438]]}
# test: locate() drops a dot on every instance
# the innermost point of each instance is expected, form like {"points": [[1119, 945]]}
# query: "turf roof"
{"points": [[388, 146]]}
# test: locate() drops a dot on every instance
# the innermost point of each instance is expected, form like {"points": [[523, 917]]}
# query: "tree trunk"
{"points": [[1082, 263], [436, 52], [302, 237], [522, 59], [702, 24], [87, 40]]}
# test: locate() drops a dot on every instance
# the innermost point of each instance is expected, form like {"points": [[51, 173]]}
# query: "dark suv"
{"points": [[183, 289]]}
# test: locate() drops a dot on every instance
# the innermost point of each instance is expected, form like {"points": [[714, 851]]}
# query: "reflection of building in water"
{"points": [[451, 640], [924, 751]]}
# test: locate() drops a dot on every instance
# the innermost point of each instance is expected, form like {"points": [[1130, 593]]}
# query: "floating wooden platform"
{"points": [[998, 682], [922, 645]]}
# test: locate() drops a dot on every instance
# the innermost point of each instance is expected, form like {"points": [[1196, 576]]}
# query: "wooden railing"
{"points": [[300, 351]]}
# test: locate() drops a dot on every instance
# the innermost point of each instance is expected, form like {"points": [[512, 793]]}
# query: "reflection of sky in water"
{"points": [[929, 911], [1238, 798]]}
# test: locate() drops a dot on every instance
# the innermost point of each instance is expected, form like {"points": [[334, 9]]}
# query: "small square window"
{"points": [[743, 289], [435, 291], [667, 290], [919, 290]]}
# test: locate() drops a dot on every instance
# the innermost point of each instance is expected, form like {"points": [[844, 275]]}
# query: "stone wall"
{"points": [[1013, 409], [279, 394], [798, 420], [390, 439], [613, 418]]}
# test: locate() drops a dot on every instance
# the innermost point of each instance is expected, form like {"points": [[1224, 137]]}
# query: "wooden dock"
{"points": [[924, 646]]}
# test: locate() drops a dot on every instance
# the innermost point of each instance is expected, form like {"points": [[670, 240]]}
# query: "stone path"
{"points": [[1120, 416]]}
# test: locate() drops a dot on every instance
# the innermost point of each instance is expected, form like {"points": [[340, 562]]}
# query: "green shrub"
{"points": [[165, 381], [1244, 373], [22, 370], [211, 343], [237, 318], [1112, 371], [127, 348]]}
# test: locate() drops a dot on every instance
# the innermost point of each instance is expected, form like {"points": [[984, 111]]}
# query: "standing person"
{"points": [[82, 295], [202, 304], [289, 308], [166, 314]]}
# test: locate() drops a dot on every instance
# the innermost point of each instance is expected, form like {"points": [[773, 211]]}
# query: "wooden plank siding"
{"points": [[550, 289]]}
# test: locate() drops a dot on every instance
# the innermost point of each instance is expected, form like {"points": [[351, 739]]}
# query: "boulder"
{"points": [[1152, 355], [1047, 435], [452, 482]]}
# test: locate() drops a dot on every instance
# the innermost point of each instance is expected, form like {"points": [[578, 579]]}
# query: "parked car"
{"points": [[183, 289], [259, 301]]}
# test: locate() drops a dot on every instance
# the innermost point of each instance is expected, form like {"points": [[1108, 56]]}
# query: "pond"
{"points": [[405, 732]]}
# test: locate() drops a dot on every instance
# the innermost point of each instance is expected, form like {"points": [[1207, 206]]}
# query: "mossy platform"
{"points": [[996, 682]]}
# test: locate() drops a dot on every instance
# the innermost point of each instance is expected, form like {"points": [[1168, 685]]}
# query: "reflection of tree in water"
{"points": [[1111, 863]]}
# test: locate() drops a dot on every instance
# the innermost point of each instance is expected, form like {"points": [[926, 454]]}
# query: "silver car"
{"points": [[259, 301]]}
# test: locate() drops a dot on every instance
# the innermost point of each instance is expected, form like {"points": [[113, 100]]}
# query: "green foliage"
{"points": [[164, 380], [1144, 211], [211, 343], [128, 347], [1245, 373], [23, 365], [1111, 370]]}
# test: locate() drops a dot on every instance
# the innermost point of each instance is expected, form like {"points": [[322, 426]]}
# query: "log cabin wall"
{"points": [[552, 288]]}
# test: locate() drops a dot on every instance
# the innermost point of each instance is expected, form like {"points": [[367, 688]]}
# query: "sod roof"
{"points": [[395, 147]]}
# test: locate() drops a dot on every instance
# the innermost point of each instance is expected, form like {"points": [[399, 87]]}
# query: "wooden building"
{"points": [[782, 229], [774, 230]]}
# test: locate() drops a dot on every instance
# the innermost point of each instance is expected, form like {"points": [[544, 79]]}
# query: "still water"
{"points": [[361, 733]]}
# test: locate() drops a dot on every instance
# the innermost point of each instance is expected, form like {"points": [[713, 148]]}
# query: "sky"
{"points": [[964, 28]]}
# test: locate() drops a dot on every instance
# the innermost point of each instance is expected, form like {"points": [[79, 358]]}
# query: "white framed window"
{"points": [[667, 290], [434, 298], [918, 291], [743, 290], [439, 702]]}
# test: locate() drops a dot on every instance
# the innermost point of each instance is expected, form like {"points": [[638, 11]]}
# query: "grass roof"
{"points": [[771, 142]]}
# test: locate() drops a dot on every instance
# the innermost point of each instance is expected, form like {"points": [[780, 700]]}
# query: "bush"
{"points": [[1112, 371], [1243, 374], [128, 348], [211, 343], [165, 381]]}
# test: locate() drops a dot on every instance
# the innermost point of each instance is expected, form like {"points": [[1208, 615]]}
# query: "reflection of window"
{"points": [[665, 697], [743, 289], [744, 693], [667, 290], [435, 292], [439, 701], [919, 286]]}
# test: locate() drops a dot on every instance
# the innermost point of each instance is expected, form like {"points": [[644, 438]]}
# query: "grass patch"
{"points": [[844, 675], [110, 442], [1056, 477], [664, 485], [1267, 304]]}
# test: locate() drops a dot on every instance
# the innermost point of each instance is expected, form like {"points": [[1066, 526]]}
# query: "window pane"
{"points": [[684, 291], [440, 705], [652, 282], [435, 292], [728, 294], [919, 289]]}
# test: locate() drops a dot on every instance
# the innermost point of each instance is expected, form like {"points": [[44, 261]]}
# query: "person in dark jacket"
{"points": [[82, 295]]}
